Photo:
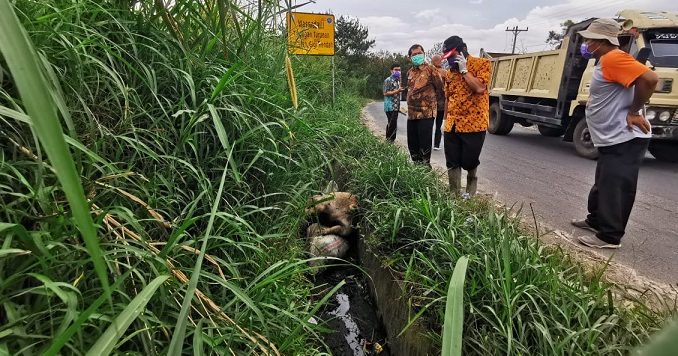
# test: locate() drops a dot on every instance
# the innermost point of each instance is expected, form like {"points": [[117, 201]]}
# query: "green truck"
{"points": [[550, 89]]}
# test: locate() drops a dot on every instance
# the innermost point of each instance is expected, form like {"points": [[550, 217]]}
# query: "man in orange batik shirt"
{"points": [[466, 113]]}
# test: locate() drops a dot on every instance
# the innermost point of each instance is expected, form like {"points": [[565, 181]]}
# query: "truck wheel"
{"points": [[665, 151], [550, 131], [500, 124], [582, 141]]}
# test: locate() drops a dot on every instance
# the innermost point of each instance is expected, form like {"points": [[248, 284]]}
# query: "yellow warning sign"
{"points": [[310, 34]]}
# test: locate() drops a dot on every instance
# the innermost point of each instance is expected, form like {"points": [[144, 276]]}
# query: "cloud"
{"points": [[427, 14], [384, 26], [475, 2], [431, 26]]}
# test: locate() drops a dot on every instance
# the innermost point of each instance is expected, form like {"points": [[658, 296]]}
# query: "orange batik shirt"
{"points": [[466, 110]]}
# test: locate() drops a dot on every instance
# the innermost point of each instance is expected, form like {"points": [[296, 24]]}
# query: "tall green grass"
{"points": [[453, 326], [36, 94], [181, 135]]}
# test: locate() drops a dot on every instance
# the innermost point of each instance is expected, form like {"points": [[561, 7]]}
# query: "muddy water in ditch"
{"points": [[352, 315]]}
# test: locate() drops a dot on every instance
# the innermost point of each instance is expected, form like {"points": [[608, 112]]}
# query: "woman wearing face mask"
{"points": [[392, 90], [423, 82]]}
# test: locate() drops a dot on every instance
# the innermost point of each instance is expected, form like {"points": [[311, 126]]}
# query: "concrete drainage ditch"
{"points": [[368, 312]]}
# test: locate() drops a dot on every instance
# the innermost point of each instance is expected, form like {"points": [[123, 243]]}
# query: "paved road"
{"points": [[525, 167]]}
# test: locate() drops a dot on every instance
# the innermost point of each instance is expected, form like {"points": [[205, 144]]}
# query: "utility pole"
{"points": [[515, 31]]}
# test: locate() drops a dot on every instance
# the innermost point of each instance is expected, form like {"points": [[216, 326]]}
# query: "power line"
{"points": [[574, 13], [516, 31]]}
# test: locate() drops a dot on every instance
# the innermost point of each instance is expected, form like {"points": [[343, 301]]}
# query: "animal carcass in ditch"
{"points": [[334, 212], [325, 245]]}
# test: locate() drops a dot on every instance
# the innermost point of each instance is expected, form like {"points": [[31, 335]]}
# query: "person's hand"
{"points": [[461, 61], [639, 121]]}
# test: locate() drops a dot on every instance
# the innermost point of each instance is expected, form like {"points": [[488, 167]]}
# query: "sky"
{"points": [[397, 24]]}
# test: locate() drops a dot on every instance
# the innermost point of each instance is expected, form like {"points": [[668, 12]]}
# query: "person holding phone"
{"points": [[466, 113]]}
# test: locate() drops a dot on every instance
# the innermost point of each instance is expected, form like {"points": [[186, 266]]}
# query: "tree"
{"points": [[555, 38], [351, 39], [376, 67], [436, 49]]}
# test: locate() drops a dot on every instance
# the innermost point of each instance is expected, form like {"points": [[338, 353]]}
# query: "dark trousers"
{"points": [[614, 191], [392, 125], [419, 140], [462, 149], [439, 124]]}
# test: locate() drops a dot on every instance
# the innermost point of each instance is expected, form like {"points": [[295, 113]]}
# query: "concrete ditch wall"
{"points": [[386, 291]]}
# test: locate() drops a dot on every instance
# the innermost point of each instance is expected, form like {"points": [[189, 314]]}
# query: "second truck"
{"points": [[550, 89]]}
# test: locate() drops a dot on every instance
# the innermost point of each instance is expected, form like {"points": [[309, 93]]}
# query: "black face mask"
{"points": [[453, 63]]}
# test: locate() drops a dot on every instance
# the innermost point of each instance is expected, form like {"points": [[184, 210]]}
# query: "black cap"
{"points": [[453, 42]]}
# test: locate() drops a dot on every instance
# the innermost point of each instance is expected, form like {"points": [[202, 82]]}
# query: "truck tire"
{"points": [[550, 131], [666, 151], [500, 124], [582, 141]]}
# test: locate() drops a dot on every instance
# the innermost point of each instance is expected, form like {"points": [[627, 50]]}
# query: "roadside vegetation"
{"points": [[195, 169], [520, 297]]}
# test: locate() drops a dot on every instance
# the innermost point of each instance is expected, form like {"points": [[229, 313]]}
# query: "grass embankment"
{"points": [[521, 298], [183, 139]]}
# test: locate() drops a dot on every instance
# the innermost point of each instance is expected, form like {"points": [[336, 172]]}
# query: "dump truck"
{"points": [[550, 89]]}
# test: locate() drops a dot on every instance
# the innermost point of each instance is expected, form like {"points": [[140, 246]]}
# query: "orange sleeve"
{"points": [[620, 67], [481, 69]]}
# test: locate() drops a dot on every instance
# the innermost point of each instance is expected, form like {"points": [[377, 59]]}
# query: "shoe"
{"points": [[436, 148], [592, 241], [583, 224]]}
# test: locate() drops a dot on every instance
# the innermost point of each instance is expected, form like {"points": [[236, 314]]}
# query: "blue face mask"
{"points": [[396, 74], [418, 59], [585, 52]]}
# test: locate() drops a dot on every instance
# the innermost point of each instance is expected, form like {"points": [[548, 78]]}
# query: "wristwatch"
{"points": [[464, 71]]}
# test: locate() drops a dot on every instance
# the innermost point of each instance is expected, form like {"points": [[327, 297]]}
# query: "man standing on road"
{"points": [[466, 113], [392, 90], [437, 61], [423, 83], [615, 116]]}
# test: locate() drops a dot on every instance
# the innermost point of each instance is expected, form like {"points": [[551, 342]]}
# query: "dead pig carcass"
{"points": [[332, 232]]}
